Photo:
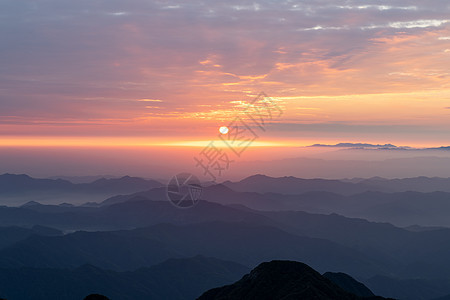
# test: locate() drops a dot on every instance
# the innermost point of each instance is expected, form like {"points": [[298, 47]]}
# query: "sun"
{"points": [[223, 130]]}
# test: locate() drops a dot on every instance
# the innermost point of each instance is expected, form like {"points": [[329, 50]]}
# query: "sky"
{"points": [[165, 74]]}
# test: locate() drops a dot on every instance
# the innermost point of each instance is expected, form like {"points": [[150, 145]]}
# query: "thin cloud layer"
{"points": [[150, 67]]}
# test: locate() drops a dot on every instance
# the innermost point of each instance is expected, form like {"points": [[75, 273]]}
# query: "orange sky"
{"points": [[166, 74]]}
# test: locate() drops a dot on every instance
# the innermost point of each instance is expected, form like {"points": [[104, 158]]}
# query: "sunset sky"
{"points": [[142, 73]]}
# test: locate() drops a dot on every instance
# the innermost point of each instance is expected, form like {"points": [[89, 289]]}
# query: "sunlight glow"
{"points": [[116, 142]]}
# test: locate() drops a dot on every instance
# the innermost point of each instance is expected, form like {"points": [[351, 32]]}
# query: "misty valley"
{"points": [[389, 237]]}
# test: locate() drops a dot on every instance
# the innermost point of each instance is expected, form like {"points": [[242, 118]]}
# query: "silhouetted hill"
{"points": [[96, 297], [177, 279], [280, 280], [349, 284]]}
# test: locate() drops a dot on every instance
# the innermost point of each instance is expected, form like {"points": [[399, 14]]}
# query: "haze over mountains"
{"points": [[355, 163], [349, 160], [378, 146], [404, 202], [318, 134], [19, 189], [18, 185], [245, 223], [331, 161]]}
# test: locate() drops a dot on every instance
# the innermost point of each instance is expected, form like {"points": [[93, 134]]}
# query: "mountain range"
{"points": [[19, 189], [124, 233], [365, 250], [404, 209]]}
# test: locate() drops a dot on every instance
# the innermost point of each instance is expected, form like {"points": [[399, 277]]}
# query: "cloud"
{"points": [[418, 24], [105, 62], [150, 100]]}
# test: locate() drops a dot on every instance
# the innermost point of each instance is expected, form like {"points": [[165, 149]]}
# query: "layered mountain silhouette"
{"points": [[244, 243], [363, 199], [19, 189], [403, 202], [126, 232], [403, 252], [177, 279], [293, 185], [283, 280]]}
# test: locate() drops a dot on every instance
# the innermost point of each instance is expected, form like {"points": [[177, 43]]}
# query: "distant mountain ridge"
{"points": [[377, 146], [19, 189], [12, 183], [353, 162], [400, 208], [294, 185], [357, 145], [25, 187]]}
